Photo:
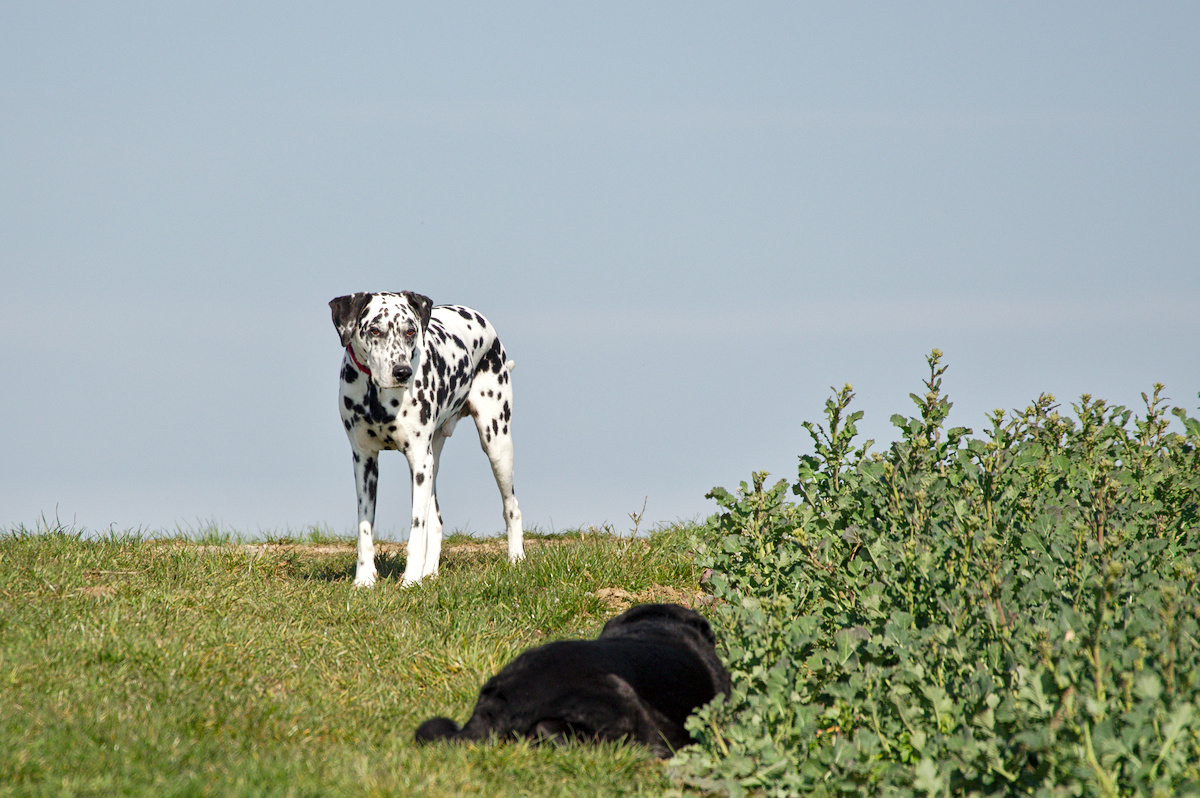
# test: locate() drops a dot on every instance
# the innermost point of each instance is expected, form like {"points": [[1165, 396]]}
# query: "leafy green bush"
{"points": [[1008, 615]]}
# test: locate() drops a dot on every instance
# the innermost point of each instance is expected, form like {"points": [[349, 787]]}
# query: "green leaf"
{"points": [[928, 779]]}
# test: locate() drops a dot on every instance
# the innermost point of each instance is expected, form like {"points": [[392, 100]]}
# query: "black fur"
{"points": [[651, 667], [422, 304], [346, 310]]}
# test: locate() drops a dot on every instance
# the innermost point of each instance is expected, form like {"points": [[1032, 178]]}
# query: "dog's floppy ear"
{"points": [[701, 625], [421, 304], [346, 310]]}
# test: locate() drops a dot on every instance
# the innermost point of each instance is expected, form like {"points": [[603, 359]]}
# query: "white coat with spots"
{"points": [[409, 373]]}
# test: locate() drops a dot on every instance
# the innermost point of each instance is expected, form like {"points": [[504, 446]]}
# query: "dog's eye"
{"points": [[374, 332], [410, 333]]}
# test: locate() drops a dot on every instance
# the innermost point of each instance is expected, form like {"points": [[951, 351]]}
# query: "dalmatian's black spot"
{"points": [[395, 403], [349, 374], [420, 478], [492, 361], [376, 413]]}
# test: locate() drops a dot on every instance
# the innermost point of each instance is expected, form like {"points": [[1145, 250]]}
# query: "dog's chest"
{"points": [[391, 418], [374, 418]]}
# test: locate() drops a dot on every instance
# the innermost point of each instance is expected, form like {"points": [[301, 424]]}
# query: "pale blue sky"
{"points": [[687, 221]]}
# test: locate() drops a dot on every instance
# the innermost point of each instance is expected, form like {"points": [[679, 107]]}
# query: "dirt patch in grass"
{"points": [[98, 591], [618, 599], [467, 549]]}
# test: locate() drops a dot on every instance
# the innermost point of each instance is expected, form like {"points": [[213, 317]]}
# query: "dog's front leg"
{"points": [[421, 547], [433, 520], [366, 481]]}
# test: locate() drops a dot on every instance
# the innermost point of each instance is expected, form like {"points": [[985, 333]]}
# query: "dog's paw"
{"points": [[364, 580]]}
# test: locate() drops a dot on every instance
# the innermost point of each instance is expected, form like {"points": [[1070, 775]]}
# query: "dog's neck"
{"points": [[354, 360]]}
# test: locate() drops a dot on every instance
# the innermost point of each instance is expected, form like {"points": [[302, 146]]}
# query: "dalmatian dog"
{"points": [[410, 372]]}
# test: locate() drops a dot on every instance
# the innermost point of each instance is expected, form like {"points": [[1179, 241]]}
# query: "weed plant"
{"points": [[1014, 614]]}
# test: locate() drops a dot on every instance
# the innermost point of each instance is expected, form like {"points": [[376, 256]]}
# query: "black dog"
{"points": [[650, 668]]}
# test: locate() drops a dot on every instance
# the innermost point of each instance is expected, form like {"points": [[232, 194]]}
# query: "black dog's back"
{"points": [[651, 667]]}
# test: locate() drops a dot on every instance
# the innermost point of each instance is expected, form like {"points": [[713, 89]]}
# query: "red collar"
{"points": [[354, 360]]}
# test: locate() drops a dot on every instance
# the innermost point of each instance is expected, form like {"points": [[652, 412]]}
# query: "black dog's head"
{"points": [[649, 617], [675, 625]]}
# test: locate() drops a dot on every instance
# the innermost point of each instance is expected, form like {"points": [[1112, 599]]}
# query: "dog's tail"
{"points": [[437, 729], [510, 365]]}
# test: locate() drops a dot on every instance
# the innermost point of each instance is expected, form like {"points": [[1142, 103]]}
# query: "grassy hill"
{"points": [[134, 666]]}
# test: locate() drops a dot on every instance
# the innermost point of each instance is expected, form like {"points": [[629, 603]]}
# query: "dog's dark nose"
{"points": [[401, 373]]}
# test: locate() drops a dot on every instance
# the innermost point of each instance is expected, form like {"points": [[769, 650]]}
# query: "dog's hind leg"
{"points": [[491, 407], [553, 730], [612, 710]]}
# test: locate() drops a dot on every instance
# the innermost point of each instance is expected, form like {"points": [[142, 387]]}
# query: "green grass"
{"points": [[132, 666]]}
